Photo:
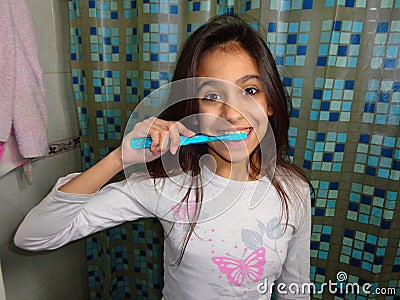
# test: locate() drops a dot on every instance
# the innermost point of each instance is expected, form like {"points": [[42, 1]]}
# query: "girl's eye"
{"points": [[212, 97], [250, 91]]}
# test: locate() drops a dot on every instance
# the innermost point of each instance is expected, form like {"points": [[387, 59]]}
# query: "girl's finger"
{"points": [[157, 133], [155, 139], [174, 139], [140, 129], [176, 130], [162, 131], [184, 130], [164, 138]]}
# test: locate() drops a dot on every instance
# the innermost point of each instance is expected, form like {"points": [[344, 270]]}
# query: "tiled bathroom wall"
{"points": [[58, 274]]}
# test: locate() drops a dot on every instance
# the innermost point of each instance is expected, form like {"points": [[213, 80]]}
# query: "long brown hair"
{"points": [[219, 32]]}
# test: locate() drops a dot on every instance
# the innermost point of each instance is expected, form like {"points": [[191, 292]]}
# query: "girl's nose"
{"points": [[231, 114]]}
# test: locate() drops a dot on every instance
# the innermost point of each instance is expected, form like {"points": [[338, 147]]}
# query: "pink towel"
{"points": [[10, 157], [2, 149], [22, 97]]}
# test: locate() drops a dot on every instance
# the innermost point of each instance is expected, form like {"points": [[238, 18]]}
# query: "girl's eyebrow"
{"points": [[215, 83], [212, 83], [247, 78]]}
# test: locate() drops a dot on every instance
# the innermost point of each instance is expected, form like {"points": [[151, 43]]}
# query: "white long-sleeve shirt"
{"points": [[240, 247]]}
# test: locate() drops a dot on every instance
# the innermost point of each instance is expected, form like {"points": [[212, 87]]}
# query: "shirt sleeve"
{"points": [[63, 217], [294, 282]]}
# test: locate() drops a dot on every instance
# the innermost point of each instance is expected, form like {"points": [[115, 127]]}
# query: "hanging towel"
{"points": [[10, 157], [22, 97]]}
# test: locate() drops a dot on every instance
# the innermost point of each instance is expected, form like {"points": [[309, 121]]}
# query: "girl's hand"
{"points": [[160, 131]]}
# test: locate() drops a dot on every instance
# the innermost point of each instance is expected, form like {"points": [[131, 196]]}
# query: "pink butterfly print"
{"points": [[182, 210], [237, 270]]}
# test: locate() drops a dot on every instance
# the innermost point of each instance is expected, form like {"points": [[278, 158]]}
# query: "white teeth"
{"points": [[246, 131]]}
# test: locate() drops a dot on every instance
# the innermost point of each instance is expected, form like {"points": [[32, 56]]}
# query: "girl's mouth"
{"points": [[247, 131]]}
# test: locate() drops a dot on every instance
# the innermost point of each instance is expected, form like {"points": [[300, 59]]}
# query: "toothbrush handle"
{"points": [[140, 143]]}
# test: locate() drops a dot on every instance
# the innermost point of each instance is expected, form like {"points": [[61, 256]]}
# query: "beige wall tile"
{"points": [[43, 19], [68, 108], [10, 212]]}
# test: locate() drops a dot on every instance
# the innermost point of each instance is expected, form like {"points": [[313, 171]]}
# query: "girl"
{"points": [[241, 226]]}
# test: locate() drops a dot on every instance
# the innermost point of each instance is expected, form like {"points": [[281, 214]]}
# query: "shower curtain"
{"points": [[339, 61]]}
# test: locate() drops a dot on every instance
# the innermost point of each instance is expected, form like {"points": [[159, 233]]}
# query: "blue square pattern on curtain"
{"points": [[339, 63]]}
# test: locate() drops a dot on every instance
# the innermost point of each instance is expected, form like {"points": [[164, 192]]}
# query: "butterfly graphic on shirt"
{"points": [[238, 269]]}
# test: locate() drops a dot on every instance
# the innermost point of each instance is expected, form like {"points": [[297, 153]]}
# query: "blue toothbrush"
{"points": [[140, 143]]}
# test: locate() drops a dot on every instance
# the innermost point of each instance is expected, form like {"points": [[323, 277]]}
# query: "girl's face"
{"points": [[233, 102]]}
